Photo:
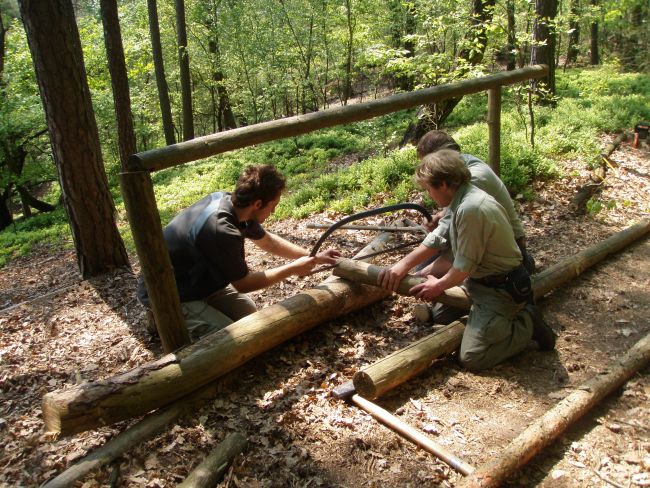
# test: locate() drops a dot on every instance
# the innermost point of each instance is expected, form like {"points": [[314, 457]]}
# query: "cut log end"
{"points": [[365, 385]]}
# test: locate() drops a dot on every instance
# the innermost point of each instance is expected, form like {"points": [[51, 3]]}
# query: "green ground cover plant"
{"points": [[347, 168]]}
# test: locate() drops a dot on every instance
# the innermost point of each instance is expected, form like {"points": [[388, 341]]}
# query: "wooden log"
{"points": [[387, 373], [413, 435], [131, 437], [173, 376], [393, 370], [574, 266], [209, 472], [367, 274], [140, 202], [494, 129], [202, 147], [543, 282], [550, 426]]}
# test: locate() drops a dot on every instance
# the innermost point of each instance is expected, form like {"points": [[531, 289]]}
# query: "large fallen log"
{"points": [[385, 374], [550, 426], [175, 375]]}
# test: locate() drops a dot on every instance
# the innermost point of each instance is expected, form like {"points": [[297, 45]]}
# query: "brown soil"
{"points": [[58, 331]]}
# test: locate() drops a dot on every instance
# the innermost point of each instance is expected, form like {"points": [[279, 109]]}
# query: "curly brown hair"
{"points": [[258, 182], [442, 166]]}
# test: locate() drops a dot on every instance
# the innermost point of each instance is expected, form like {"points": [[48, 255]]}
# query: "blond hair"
{"points": [[442, 166]]}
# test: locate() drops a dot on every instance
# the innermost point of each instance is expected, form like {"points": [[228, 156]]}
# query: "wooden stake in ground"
{"points": [[173, 376], [209, 472], [556, 421]]}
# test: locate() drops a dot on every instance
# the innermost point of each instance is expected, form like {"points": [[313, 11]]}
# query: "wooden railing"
{"points": [[137, 187]]}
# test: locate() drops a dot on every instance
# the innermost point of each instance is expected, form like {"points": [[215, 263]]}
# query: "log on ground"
{"points": [[131, 437], [387, 373], [209, 472], [550, 426], [393, 370], [175, 375]]}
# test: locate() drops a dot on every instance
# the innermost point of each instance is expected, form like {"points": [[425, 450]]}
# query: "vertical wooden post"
{"points": [[156, 267], [494, 129]]}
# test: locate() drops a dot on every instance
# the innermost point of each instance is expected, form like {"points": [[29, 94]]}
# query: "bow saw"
{"points": [[363, 215]]}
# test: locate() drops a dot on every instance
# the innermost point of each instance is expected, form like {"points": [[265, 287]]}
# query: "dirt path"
{"points": [[299, 435]]}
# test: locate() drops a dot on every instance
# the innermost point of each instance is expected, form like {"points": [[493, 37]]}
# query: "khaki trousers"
{"points": [[497, 328], [220, 309]]}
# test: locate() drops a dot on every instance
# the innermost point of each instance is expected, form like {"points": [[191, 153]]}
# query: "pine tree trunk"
{"points": [[543, 50], [574, 33], [161, 81], [184, 62], [119, 80], [511, 45], [56, 51]]}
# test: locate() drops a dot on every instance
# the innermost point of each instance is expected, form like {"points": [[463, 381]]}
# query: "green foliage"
{"points": [[21, 237]]}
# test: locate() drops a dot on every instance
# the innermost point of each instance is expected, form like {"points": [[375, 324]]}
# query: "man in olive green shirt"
{"points": [[486, 259]]}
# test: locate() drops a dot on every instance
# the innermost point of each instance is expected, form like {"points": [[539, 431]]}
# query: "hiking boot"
{"points": [[542, 332]]}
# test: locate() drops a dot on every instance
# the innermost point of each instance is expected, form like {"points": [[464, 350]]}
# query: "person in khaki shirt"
{"points": [[486, 260]]}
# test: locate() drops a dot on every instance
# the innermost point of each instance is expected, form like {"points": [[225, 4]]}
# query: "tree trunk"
{"points": [[119, 80], [433, 116], [6, 216], [160, 382], [543, 50], [594, 57], [31, 201], [549, 427], [360, 272], [56, 51], [226, 117], [511, 44], [184, 64], [573, 41], [159, 66], [347, 80]]}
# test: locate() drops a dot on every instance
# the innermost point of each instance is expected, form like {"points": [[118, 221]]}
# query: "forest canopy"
{"points": [[252, 61]]}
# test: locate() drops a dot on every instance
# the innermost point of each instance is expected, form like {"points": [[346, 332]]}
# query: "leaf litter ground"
{"points": [[58, 331]]}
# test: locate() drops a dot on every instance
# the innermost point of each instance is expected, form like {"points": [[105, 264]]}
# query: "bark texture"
{"points": [[160, 382], [161, 79], [56, 51], [549, 427]]}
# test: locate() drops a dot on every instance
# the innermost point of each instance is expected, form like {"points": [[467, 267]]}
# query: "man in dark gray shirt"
{"points": [[206, 247]]}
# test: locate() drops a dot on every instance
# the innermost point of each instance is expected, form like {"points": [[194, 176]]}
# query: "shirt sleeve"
{"points": [[472, 229], [438, 238]]}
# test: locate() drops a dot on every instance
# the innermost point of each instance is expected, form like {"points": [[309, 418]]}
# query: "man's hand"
{"points": [[433, 223], [391, 277], [330, 256], [303, 265], [428, 290]]}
